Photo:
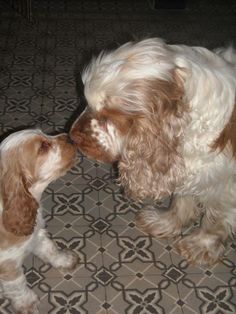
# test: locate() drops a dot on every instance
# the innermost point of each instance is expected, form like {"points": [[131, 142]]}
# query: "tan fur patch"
{"points": [[228, 135], [152, 165], [9, 271], [8, 239], [121, 120], [20, 208]]}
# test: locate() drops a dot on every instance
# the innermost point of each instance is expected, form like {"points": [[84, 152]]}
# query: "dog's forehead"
{"points": [[95, 95]]}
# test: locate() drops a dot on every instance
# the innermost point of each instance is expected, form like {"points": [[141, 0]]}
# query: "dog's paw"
{"points": [[29, 304], [200, 248], [160, 225], [67, 261]]}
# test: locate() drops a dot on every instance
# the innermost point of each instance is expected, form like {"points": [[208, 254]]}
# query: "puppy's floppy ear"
{"points": [[19, 206], [152, 164]]}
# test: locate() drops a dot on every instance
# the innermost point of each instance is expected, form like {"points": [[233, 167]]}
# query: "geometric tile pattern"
{"points": [[121, 269]]}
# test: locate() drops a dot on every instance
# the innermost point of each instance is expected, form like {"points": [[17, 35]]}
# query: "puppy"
{"points": [[29, 161], [167, 114]]}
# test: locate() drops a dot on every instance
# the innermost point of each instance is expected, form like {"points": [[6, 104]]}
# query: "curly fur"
{"points": [[180, 139], [153, 143]]}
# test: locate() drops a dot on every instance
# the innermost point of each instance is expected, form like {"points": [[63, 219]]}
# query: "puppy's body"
{"points": [[167, 114], [29, 161]]}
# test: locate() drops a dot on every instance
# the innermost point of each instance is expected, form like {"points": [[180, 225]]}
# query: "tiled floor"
{"points": [[122, 270]]}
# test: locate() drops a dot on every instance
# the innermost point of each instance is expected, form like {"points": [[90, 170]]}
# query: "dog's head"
{"points": [[135, 115], [29, 161]]}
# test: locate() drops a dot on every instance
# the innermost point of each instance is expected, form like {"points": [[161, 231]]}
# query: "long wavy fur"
{"points": [[151, 165]]}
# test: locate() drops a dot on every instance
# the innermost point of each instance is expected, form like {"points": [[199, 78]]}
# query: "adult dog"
{"points": [[167, 114]]}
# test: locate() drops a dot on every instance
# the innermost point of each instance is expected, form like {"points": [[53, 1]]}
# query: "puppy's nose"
{"points": [[69, 140]]}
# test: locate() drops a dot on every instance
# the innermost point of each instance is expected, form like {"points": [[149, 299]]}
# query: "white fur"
{"points": [[209, 84], [109, 74]]}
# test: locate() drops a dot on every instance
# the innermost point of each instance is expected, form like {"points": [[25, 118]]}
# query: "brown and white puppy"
{"points": [[29, 161], [167, 114]]}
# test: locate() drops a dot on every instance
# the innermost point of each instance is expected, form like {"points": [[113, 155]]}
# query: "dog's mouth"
{"points": [[86, 142], [90, 147]]}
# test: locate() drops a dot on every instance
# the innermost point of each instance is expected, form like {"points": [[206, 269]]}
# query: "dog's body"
{"points": [[167, 113], [29, 161]]}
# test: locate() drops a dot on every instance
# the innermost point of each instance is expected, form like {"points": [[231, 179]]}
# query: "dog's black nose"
{"points": [[69, 140]]}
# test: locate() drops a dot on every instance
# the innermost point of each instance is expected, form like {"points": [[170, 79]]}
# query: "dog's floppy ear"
{"points": [[19, 206], [152, 164]]}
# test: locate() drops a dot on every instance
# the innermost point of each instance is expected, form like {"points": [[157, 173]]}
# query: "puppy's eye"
{"points": [[44, 147]]}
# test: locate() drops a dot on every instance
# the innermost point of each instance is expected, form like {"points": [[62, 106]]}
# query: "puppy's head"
{"points": [[29, 161]]}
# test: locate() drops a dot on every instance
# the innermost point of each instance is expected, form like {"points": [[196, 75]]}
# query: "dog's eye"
{"points": [[44, 147]]}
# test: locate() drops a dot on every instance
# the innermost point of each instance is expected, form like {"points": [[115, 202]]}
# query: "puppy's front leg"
{"points": [[46, 250], [13, 281]]}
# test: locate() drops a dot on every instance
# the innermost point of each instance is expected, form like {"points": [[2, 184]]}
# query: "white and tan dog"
{"points": [[167, 114], [29, 161]]}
